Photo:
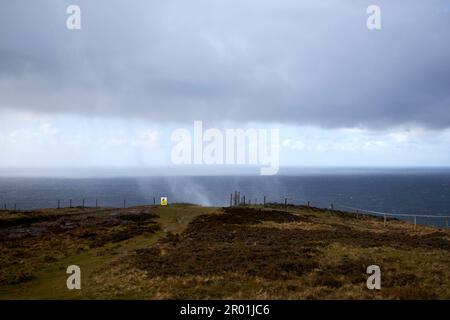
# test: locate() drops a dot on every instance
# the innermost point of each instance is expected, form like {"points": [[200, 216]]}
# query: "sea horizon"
{"points": [[386, 190]]}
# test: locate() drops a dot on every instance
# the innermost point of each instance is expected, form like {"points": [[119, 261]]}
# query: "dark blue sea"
{"points": [[404, 192]]}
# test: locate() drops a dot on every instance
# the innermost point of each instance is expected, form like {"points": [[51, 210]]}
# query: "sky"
{"points": [[111, 93]]}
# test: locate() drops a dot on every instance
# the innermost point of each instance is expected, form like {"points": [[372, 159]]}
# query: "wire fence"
{"points": [[114, 202], [235, 199], [385, 215]]}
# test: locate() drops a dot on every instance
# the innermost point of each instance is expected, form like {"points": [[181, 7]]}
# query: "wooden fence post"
{"points": [[83, 203], [285, 202], [231, 199], [309, 204], [264, 201], [154, 201], [415, 222], [244, 200]]}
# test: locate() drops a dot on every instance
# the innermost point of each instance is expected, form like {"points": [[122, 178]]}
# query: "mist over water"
{"points": [[393, 192]]}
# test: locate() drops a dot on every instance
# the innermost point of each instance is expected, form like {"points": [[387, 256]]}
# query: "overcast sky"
{"points": [[111, 93]]}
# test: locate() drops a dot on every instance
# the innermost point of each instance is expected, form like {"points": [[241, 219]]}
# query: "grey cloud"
{"points": [[300, 62]]}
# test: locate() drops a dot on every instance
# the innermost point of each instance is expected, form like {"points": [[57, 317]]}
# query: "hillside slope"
{"points": [[190, 252]]}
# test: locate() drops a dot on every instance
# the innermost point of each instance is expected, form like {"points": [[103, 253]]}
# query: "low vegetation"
{"points": [[191, 252]]}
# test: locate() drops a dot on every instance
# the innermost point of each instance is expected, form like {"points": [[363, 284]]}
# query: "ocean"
{"points": [[398, 192]]}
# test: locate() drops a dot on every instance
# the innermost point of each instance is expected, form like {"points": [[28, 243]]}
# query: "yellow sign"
{"points": [[164, 201]]}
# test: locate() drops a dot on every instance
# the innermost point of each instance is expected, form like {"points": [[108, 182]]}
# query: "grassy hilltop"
{"points": [[192, 252]]}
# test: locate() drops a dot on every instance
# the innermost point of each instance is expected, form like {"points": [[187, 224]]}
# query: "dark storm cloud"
{"points": [[301, 62]]}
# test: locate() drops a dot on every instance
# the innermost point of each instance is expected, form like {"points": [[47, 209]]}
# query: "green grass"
{"points": [[50, 281], [332, 249]]}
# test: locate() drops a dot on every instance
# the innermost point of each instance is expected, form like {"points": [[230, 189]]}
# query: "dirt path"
{"points": [[190, 252], [37, 248]]}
